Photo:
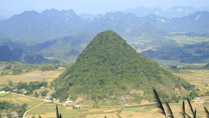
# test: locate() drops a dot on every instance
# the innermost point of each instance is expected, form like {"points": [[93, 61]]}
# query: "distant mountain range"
{"points": [[10, 43], [31, 26], [17, 54], [67, 48], [15, 51], [1, 19], [174, 12], [197, 22], [64, 34]]}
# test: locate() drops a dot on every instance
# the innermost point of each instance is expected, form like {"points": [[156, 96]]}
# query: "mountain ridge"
{"points": [[50, 24], [19, 55]]}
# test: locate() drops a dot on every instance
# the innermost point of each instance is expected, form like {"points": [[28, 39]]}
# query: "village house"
{"points": [[24, 91], [14, 114], [77, 107], [42, 87], [197, 100], [68, 102], [48, 99], [15, 90], [2, 92]]}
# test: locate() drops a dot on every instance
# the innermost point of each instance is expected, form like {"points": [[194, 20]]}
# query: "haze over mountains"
{"points": [[49, 24], [173, 12], [1, 19], [64, 34], [17, 54]]}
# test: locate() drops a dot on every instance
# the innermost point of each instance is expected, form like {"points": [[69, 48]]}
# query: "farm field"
{"points": [[21, 99], [4, 94], [30, 77], [196, 77], [149, 111], [38, 107], [188, 40], [47, 110], [199, 78]]}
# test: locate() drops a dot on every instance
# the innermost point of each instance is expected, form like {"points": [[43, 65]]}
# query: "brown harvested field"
{"points": [[198, 78], [32, 76], [108, 115], [154, 112], [20, 99]]}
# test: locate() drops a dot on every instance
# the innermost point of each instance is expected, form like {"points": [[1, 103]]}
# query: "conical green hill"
{"points": [[109, 69]]}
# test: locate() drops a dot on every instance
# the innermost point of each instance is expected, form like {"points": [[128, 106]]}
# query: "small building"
{"points": [[48, 99], [61, 68], [2, 92], [42, 87], [77, 107], [69, 102], [197, 100], [24, 91], [64, 104], [14, 114]]}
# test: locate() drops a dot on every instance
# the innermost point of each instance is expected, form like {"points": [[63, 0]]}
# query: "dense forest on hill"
{"points": [[109, 69]]}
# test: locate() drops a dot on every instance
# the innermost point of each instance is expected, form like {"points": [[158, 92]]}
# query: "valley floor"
{"points": [[38, 106]]}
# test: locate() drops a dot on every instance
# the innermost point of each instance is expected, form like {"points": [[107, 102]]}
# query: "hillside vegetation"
{"points": [[110, 70]]}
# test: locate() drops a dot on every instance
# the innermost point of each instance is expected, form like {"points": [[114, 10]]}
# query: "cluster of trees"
{"points": [[43, 93], [53, 66], [29, 87], [17, 69], [7, 107]]}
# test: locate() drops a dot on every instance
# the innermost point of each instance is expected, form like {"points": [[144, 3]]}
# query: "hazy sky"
{"points": [[9, 7]]}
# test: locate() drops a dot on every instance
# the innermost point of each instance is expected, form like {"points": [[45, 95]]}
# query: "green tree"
{"points": [[10, 83], [44, 93]]}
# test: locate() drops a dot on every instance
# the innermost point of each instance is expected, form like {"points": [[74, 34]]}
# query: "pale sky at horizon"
{"points": [[10, 7]]}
